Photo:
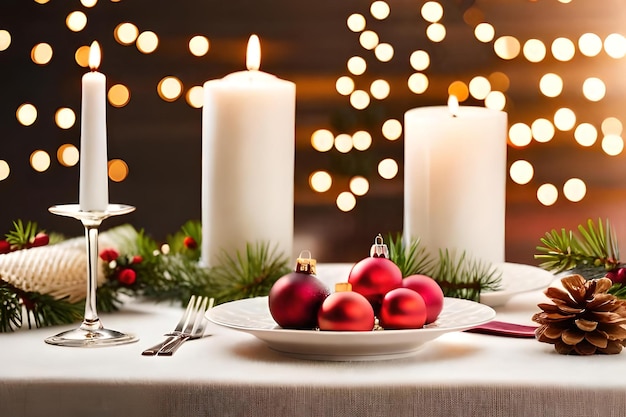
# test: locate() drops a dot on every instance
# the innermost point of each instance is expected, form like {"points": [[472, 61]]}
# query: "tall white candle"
{"points": [[94, 186], [455, 179], [248, 146]]}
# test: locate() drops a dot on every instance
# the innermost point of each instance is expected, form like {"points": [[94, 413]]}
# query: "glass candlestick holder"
{"points": [[91, 332]]}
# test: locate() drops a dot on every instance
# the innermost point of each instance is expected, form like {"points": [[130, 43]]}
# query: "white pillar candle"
{"points": [[248, 146], [94, 186], [455, 179]]}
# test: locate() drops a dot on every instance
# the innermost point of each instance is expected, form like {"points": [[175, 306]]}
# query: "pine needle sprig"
{"points": [[22, 234], [464, 277], [11, 311], [248, 274], [412, 258], [595, 248]]}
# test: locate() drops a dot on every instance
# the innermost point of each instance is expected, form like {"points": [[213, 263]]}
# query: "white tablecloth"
{"points": [[233, 374]]}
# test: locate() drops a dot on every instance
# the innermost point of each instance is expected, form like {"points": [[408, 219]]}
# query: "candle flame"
{"points": [[253, 55], [453, 105], [94, 56]]}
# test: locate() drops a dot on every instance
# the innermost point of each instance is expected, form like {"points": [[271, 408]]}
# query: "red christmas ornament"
{"points": [[295, 298], [430, 291], [190, 243], [127, 276], [5, 247], [346, 310], [375, 276], [402, 308]]}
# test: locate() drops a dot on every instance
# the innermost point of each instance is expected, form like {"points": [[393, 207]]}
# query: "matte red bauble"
{"points": [[295, 298], [346, 311], [402, 308], [430, 291], [375, 276]]}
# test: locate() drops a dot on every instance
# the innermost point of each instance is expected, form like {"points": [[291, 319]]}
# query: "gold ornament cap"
{"points": [[305, 264], [379, 248]]}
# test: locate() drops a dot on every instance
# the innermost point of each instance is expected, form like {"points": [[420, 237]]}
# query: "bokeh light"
{"points": [[507, 47], [322, 140], [346, 201], [534, 50], [547, 194], [343, 143], [361, 140], [586, 134], [41, 54], [564, 119], [119, 95], [392, 129], [359, 185], [147, 42], [68, 155], [170, 88], [380, 10], [418, 83], [40, 160], [356, 22], [612, 145], [574, 189], [195, 97], [380, 89], [26, 114], [594, 89], [126, 33], [543, 130], [65, 118], [484, 32], [320, 181], [199, 45], [344, 85], [551, 85], [357, 65], [436, 32], [5, 40], [432, 11], [76, 21], [419, 60], [520, 134], [563, 49], [521, 172], [5, 170], [118, 170], [359, 99], [590, 44], [388, 168]]}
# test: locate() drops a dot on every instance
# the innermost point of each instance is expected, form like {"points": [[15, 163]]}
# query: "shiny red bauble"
{"points": [[430, 291], [402, 308], [373, 278], [295, 299], [346, 311]]}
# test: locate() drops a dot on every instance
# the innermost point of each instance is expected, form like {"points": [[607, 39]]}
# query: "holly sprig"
{"points": [[458, 275]]}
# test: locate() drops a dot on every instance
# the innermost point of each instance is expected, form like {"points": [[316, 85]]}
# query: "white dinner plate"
{"points": [[252, 316], [516, 279]]}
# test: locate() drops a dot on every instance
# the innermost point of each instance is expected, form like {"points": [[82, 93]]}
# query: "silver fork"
{"points": [[177, 330], [193, 330]]}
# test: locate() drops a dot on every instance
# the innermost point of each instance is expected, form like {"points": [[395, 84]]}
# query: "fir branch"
{"points": [[412, 259], [44, 310], [11, 311], [22, 234]]}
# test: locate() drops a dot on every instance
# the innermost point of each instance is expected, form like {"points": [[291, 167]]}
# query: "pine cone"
{"points": [[584, 319]]}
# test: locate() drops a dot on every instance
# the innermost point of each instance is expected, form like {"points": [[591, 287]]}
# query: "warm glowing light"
{"points": [[322, 140], [346, 201], [543, 130], [436, 32], [551, 85], [594, 89], [359, 99], [344, 85], [419, 60], [547, 194], [479, 87], [521, 172], [484, 32], [119, 95], [170, 88], [574, 190], [384, 52], [590, 44], [41, 53], [380, 89], [81, 56], [432, 11], [495, 100], [65, 118], [147, 42], [520, 134], [615, 45], [68, 155], [26, 114], [76, 21], [388, 168], [534, 50], [563, 49], [586, 134], [343, 143], [5, 40], [458, 89], [89, 3], [612, 145], [507, 47], [253, 54], [357, 65], [126, 33], [195, 96], [94, 56], [499, 81], [359, 185], [118, 170], [380, 10], [392, 129], [453, 105], [356, 22], [565, 119], [418, 83], [361, 140], [5, 170], [368, 39], [199, 45], [612, 126], [320, 181], [40, 160]]}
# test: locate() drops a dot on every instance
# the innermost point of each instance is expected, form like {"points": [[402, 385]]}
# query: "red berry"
{"points": [[190, 243], [41, 239], [620, 276], [127, 276], [137, 259], [5, 247], [109, 254]]}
